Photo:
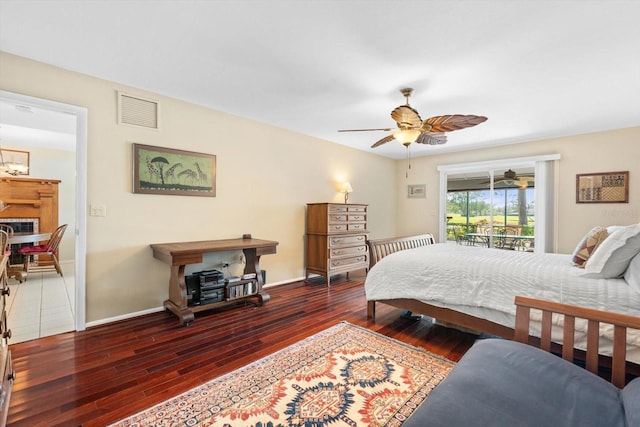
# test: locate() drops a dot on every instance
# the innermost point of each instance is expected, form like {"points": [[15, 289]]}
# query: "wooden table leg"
{"points": [[177, 302], [253, 266]]}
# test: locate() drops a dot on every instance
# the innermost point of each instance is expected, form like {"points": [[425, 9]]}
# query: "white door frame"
{"points": [[81, 114]]}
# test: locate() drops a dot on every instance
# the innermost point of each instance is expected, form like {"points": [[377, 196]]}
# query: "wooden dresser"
{"points": [[6, 368], [336, 239]]}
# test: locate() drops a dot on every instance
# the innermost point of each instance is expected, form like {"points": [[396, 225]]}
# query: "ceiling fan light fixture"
{"points": [[406, 136], [411, 128]]}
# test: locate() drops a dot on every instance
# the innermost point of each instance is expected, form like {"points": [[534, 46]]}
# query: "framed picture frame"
{"points": [[602, 187], [15, 162], [159, 170], [417, 191]]}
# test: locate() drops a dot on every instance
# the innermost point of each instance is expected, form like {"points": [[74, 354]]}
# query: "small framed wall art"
{"points": [[417, 191], [159, 170], [602, 187], [14, 162]]}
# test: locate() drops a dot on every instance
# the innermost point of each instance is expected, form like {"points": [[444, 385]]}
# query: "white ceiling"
{"points": [[536, 69]]}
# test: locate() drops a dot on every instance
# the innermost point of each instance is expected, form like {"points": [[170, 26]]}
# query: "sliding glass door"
{"points": [[508, 202], [487, 209]]}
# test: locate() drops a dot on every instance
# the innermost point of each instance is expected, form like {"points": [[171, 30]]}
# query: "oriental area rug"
{"points": [[343, 376]]}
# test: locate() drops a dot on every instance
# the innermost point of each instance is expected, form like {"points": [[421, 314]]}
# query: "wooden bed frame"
{"points": [[380, 248], [620, 322]]}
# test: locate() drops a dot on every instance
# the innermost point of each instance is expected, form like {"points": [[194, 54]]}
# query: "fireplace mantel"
{"points": [[31, 198]]}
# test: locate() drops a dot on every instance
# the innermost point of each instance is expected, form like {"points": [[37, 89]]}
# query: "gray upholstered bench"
{"points": [[507, 383]]}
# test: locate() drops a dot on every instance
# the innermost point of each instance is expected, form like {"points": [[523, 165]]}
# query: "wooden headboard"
{"points": [[380, 248]]}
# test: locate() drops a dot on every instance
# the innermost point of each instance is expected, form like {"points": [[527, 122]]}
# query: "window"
{"points": [[486, 195]]}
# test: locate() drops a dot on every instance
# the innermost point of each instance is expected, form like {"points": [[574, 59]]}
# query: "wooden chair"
{"points": [[594, 317], [49, 248], [460, 235], [4, 241]]}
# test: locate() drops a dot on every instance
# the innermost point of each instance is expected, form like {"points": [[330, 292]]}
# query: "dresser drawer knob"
{"points": [[6, 292]]}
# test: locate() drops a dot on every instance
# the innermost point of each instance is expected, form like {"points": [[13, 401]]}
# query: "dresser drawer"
{"points": [[5, 332], [6, 370], [353, 250], [354, 209], [333, 209], [341, 241], [338, 227], [357, 217], [338, 263], [338, 218], [360, 226]]}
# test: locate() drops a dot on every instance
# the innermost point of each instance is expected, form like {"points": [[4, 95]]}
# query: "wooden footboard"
{"points": [[620, 323]]}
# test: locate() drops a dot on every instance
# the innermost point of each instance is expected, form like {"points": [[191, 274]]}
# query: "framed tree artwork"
{"points": [[159, 170]]}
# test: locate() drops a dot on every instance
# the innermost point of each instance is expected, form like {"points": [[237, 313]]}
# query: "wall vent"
{"points": [[133, 110]]}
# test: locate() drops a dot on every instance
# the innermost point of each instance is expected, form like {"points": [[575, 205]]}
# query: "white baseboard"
{"points": [[157, 309], [124, 316], [284, 282]]}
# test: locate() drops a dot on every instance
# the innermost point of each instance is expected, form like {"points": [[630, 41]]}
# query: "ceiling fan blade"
{"points": [[431, 138], [406, 117], [365, 130], [383, 141], [495, 181], [451, 122]]}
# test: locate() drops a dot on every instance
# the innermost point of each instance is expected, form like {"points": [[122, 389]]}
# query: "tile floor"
{"points": [[41, 306]]}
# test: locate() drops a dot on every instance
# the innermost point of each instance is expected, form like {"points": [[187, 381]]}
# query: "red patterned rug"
{"points": [[343, 376]]}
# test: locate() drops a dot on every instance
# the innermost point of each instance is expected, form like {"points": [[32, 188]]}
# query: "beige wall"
{"points": [[617, 150], [265, 177]]}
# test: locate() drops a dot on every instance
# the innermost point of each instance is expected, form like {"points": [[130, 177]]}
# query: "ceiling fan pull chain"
{"points": [[408, 161]]}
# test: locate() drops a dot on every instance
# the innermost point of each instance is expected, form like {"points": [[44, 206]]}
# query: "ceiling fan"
{"points": [[511, 178], [411, 128]]}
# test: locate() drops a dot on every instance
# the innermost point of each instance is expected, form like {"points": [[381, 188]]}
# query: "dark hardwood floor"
{"points": [[103, 374]]}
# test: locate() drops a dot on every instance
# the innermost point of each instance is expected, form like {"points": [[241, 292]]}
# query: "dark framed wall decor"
{"points": [[159, 170], [602, 187]]}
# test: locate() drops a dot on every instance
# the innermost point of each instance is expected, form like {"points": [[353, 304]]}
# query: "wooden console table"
{"points": [[180, 254]]}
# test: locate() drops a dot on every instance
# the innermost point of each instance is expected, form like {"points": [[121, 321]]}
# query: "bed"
{"points": [[475, 288]]}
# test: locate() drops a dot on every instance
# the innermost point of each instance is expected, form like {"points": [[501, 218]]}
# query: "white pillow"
{"points": [[632, 275], [613, 256]]}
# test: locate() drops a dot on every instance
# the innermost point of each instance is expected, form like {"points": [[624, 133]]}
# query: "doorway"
{"points": [[63, 112]]}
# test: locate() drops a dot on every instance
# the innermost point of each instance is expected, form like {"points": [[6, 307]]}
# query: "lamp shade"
{"points": [[346, 187], [407, 136]]}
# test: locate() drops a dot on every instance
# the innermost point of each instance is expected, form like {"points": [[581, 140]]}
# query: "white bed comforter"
{"points": [[484, 282]]}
